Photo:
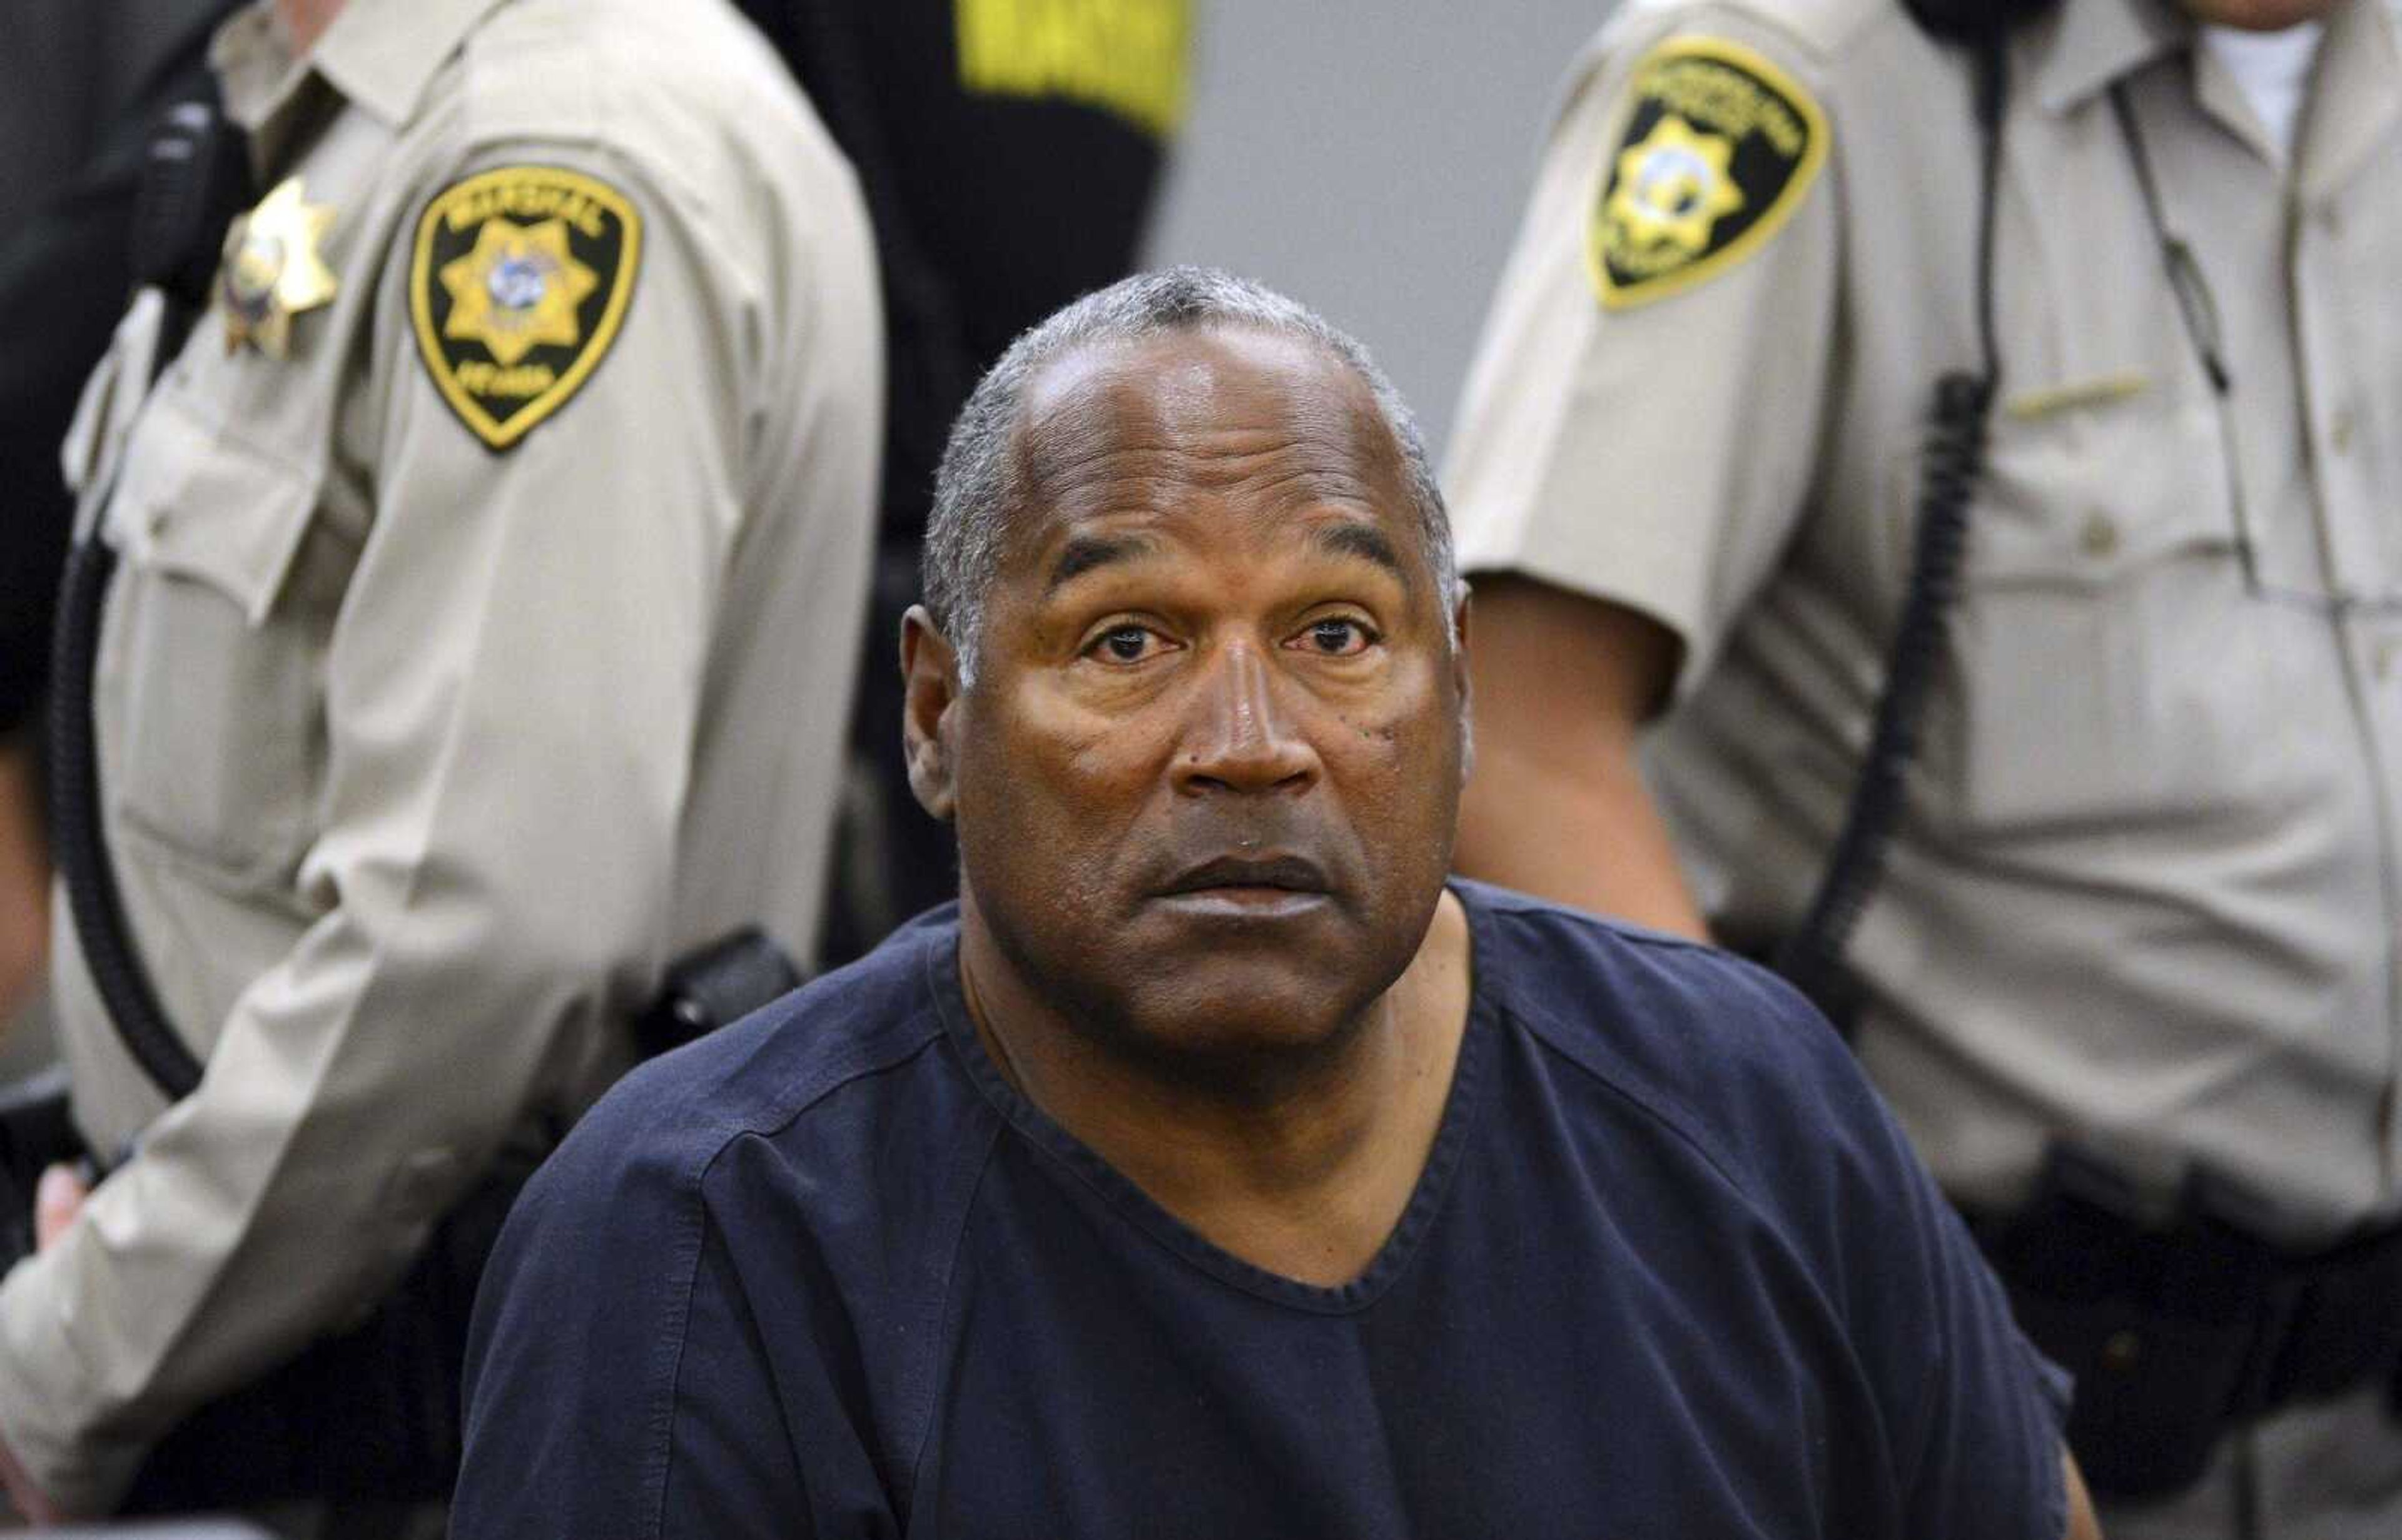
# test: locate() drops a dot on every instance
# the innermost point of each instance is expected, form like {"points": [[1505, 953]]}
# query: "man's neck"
{"points": [[306, 21], [1301, 1169]]}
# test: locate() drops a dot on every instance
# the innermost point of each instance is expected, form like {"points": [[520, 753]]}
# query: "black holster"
{"points": [[2179, 1331]]}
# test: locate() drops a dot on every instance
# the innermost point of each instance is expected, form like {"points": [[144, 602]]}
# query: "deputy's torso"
{"points": [[2143, 895], [242, 491], [492, 558]]}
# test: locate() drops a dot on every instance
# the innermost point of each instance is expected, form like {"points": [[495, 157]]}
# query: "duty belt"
{"points": [[2178, 1333]]}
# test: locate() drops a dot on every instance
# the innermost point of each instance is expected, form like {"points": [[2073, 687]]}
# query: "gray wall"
{"points": [[1371, 158]]}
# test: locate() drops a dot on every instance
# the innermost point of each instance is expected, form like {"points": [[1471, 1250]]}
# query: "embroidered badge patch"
{"points": [[1719, 148], [518, 283]]}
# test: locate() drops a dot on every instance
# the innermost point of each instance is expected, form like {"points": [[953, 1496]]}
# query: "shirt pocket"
{"points": [[2103, 671], [208, 681]]}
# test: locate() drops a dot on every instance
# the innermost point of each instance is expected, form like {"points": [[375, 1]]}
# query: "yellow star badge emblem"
{"points": [[272, 270], [1675, 185], [517, 289], [521, 279], [1719, 145]]}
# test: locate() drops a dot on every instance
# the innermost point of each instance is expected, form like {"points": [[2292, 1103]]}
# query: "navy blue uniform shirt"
{"points": [[1670, 1271]]}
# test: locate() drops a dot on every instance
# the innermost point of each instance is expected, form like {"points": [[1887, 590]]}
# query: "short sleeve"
{"points": [[1653, 442], [615, 1384], [1991, 1421], [1971, 1416], [661, 1350]]}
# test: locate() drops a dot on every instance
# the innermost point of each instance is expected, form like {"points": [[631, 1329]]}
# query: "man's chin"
{"points": [[1236, 1003], [1223, 977]]}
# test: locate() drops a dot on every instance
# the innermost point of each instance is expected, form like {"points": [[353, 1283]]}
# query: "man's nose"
{"points": [[1240, 737]]}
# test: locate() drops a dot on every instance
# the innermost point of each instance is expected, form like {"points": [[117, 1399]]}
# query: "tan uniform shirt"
{"points": [[423, 757], [2144, 895]]}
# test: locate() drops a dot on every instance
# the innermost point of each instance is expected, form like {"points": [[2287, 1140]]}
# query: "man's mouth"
{"points": [[1249, 886], [1287, 873]]}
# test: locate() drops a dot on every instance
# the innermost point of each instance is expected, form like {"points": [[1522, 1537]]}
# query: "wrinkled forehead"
{"points": [[1257, 419]]}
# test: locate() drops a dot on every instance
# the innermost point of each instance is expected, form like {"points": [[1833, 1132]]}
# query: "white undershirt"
{"points": [[2274, 70]]}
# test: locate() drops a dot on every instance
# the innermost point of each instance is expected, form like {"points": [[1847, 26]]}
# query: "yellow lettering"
{"points": [[1127, 57], [528, 201], [1641, 261], [466, 212], [519, 380], [1727, 100]]}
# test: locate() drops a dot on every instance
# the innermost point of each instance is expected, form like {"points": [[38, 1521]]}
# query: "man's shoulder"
{"points": [[779, 1165], [1719, 1052], [1677, 974], [822, 1066]]}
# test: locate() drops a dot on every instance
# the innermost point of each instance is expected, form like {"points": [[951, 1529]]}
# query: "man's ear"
{"points": [[930, 685], [1460, 677]]}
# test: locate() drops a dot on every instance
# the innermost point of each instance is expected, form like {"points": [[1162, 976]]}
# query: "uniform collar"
{"points": [[2355, 97], [254, 65], [380, 53], [2084, 46]]}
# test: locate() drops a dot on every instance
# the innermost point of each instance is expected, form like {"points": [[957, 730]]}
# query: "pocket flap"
{"points": [[2087, 502], [199, 503]]}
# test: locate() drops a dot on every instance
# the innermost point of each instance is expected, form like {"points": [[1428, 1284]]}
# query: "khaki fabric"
{"points": [[2325, 1471], [422, 760], [2144, 896]]}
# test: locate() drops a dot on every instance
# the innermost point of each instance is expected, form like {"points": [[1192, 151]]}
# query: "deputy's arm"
{"points": [[1557, 805], [1637, 438], [511, 694]]}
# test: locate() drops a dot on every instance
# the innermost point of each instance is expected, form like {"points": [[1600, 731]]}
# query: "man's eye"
{"points": [[1337, 638], [1127, 644]]}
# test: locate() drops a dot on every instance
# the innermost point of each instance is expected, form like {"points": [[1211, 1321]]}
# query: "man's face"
{"points": [[2260, 15], [1207, 779]]}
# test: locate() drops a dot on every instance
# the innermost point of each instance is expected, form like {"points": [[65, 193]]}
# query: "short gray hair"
{"points": [[975, 490]]}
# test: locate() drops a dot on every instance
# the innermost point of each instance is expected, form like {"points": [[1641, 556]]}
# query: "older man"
{"points": [[1213, 1169]]}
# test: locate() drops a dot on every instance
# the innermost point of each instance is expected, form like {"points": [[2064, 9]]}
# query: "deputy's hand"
{"points": [[58, 1198], [33, 1505]]}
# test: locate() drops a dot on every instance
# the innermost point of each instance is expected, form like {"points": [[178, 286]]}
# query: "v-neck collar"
{"points": [[1452, 1133]]}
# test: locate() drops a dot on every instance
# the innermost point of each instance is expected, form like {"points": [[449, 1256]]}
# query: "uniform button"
{"points": [[2381, 657], [2340, 431], [155, 521], [2121, 1350], [2330, 221], [2099, 536]]}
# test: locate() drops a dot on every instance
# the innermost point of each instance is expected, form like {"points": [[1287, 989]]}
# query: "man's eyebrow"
{"points": [[1365, 541], [1083, 553]]}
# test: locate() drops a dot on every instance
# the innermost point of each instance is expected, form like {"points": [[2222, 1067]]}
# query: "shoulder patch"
{"points": [[1717, 153], [518, 282]]}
